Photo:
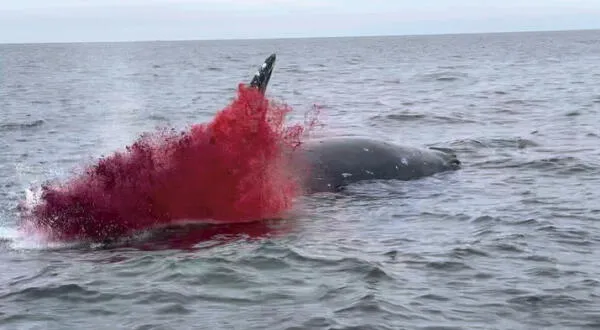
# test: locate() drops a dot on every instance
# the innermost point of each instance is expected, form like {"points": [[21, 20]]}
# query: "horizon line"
{"points": [[298, 37]]}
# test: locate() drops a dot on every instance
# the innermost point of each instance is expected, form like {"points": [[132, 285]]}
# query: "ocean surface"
{"points": [[510, 241]]}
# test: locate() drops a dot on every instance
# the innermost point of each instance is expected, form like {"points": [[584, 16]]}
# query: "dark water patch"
{"points": [[506, 247], [546, 301], [214, 68], [448, 266], [363, 327], [17, 87], [354, 60], [235, 59], [483, 276], [192, 237], [515, 291], [483, 232], [447, 78], [66, 292], [295, 69], [227, 275], [526, 222], [550, 272], [362, 81], [566, 164], [206, 296], [264, 263], [369, 305], [334, 294], [536, 201], [174, 309], [367, 270], [375, 274], [454, 119], [40, 102], [505, 111], [494, 143], [468, 252], [483, 97], [452, 67], [399, 117], [572, 237], [315, 323], [164, 297], [393, 81], [21, 126], [31, 317], [391, 254], [444, 76], [158, 118], [540, 258], [303, 258], [48, 271], [409, 116], [515, 102], [434, 297], [486, 219], [133, 75], [559, 165], [152, 327], [591, 283]]}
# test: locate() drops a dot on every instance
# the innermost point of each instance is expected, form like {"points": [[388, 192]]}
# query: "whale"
{"points": [[332, 164]]}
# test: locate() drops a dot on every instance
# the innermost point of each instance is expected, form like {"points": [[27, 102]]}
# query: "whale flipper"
{"points": [[263, 75]]}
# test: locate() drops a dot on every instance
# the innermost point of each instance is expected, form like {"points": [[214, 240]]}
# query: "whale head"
{"points": [[449, 156]]}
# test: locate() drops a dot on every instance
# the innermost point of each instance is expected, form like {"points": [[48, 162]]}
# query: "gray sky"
{"points": [[122, 20]]}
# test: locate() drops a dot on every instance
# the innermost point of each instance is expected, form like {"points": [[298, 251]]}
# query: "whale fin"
{"points": [[263, 75]]}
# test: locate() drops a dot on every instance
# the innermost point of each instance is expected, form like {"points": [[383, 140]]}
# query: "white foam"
{"points": [[26, 237], [32, 198], [16, 239]]}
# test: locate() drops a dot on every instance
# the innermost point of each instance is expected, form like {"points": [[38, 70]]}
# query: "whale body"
{"points": [[330, 164], [334, 163]]}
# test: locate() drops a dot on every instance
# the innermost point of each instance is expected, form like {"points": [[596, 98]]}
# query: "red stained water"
{"points": [[230, 170]]}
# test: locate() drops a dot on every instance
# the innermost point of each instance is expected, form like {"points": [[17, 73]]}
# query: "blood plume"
{"points": [[235, 168]]}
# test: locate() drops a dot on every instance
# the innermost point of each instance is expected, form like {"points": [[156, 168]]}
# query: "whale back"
{"points": [[336, 162]]}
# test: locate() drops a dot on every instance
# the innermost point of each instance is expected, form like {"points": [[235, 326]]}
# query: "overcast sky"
{"points": [[122, 20]]}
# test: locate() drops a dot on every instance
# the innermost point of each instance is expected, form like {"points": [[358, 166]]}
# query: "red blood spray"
{"points": [[233, 169]]}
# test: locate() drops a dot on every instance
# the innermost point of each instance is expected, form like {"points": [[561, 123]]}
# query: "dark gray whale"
{"points": [[330, 164], [333, 163]]}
